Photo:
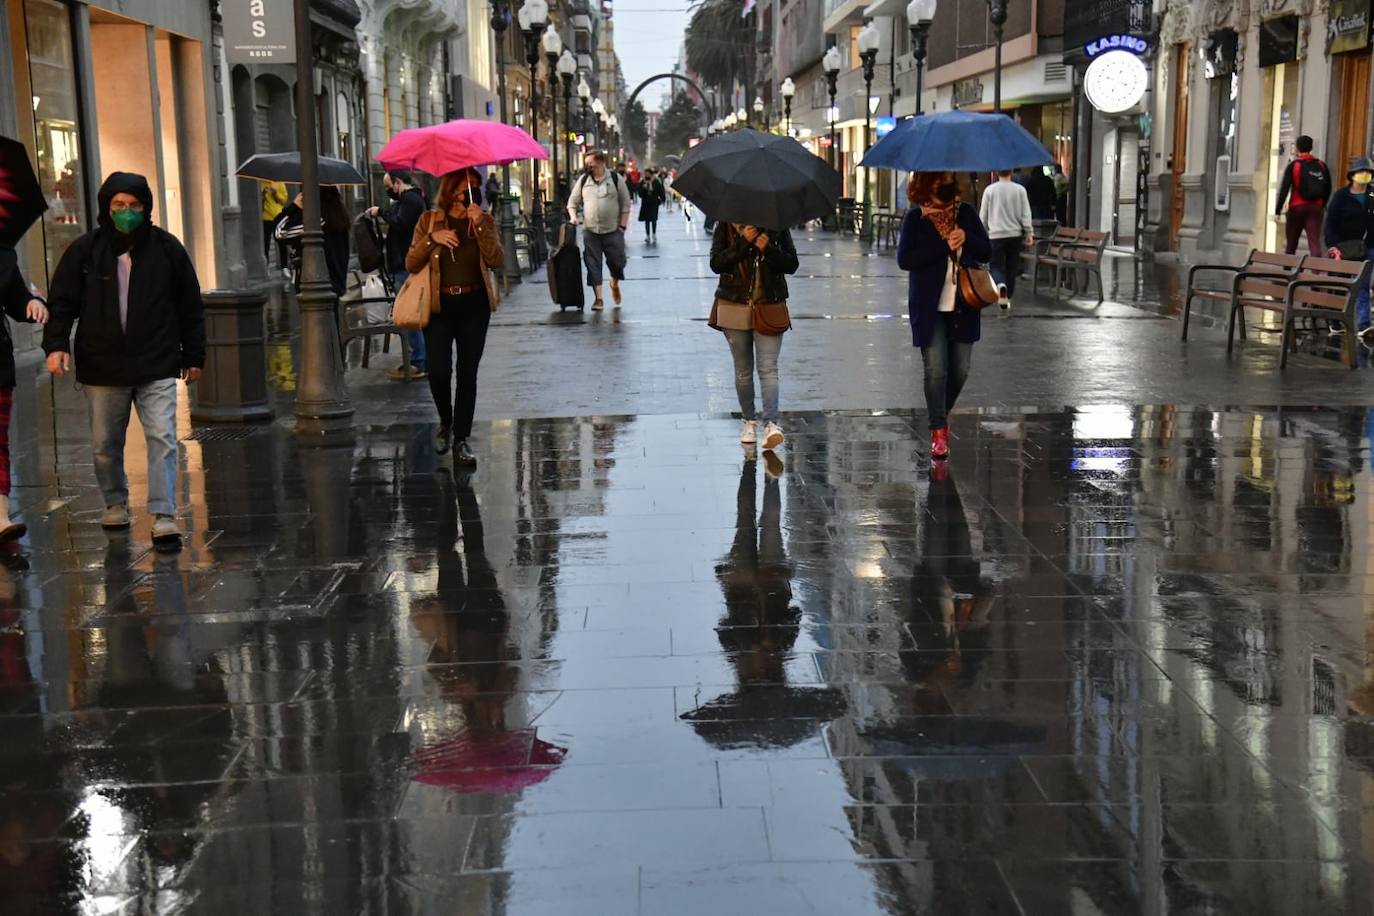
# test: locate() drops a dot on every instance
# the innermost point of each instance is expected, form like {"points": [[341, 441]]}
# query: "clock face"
{"points": [[1116, 81]]}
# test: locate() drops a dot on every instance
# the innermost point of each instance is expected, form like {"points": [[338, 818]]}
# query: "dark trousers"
{"points": [[947, 364], [650, 227], [1305, 217], [269, 228], [461, 326], [1006, 262]]}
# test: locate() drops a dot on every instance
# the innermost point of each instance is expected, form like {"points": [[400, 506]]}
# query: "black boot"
{"points": [[464, 456], [443, 440]]}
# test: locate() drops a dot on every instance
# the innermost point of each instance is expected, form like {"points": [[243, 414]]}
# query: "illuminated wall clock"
{"points": [[1116, 81]]}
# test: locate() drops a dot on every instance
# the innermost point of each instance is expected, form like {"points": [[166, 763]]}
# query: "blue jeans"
{"points": [[156, 403], [747, 348], [416, 339], [947, 364]]}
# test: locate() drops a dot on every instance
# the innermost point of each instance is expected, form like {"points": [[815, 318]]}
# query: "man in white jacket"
{"points": [[1006, 212]]}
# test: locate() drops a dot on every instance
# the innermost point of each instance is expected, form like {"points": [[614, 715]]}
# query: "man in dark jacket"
{"points": [[132, 291], [408, 204], [1040, 190]]}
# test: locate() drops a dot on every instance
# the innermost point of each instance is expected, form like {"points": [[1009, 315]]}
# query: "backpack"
{"points": [[1314, 180], [615, 180], [368, 244]]}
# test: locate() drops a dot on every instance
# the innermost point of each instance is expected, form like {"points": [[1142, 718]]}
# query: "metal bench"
{"points": [[1259, 263], [358, 320], [1325, 289]]}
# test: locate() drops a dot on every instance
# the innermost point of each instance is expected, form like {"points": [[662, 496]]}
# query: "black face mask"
{"points": [[946, 192], [393, 193]]}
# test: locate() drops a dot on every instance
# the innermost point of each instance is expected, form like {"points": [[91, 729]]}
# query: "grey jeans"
{"points": [[156, 403], [611, 246], [749, 349]]}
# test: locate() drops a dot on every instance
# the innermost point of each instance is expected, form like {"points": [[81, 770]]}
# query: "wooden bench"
{"points": [[1259, 263], [1069, 251], [1326, 289]]}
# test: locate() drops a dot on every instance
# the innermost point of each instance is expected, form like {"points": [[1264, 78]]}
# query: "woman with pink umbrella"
{"points": [[458, 244]]}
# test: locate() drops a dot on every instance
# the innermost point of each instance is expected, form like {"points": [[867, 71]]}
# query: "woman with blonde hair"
{"points": [[940, 234], [458, 244]]}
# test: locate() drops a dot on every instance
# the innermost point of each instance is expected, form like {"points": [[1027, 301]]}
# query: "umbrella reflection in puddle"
{"points": [[495, 763]]}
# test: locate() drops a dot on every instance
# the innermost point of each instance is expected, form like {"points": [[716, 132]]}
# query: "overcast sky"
{"points": [[648, 34]]}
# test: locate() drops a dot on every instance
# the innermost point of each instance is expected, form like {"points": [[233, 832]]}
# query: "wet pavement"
{"points": [[1118, 659]]}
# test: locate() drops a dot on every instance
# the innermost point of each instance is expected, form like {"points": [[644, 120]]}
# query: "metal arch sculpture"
{"points": [[705, 100]]}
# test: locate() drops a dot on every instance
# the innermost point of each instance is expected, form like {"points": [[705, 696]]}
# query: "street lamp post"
{"points": [[868, 53], [553, 48], [599, 109], [613, 125], [831, 63], [919, 14], [507, 218], [534, 19], [584, 92], [567, 67], [322, 403], [758, 114], [997, 15], [788, 89]]}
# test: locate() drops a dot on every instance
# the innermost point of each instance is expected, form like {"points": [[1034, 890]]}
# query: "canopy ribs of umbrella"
{"points": [[461, 144], [758, 179]]}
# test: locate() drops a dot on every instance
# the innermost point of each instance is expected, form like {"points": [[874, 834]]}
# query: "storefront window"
{"points": [[55, 138]]}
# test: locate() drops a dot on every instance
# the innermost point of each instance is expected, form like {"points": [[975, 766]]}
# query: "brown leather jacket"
{"points": [[424, 255]]}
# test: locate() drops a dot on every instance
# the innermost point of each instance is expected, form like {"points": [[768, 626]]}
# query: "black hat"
{"points": [[1359, 164]]}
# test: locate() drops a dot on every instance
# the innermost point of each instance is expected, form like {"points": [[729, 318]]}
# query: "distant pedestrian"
{"points": [[274, 199], [1006, 214], [941, 232], [402, 215], [1306, 188], [493, 191], [625, 179], [604, 200], [1040, 190], [23, 306], [338, 242], [1349, 229], [753, 265], [1061, 195], [651, 196], [458, 243], [131, 290]]}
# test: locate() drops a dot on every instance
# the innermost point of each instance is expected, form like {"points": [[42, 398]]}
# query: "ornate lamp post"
{"points": [[729, 121], [758, 114], [322, 403], [553, 48], [567, 67], [499, 22], [919, 13], [584, 92], [831, 64], [598, 109], [788, 89], [868, 53], [742, 118], [997, 15], [534, 19], [613, 125]]}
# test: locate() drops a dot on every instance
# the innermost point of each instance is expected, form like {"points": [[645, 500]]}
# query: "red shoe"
{"points": [[939, 444]]}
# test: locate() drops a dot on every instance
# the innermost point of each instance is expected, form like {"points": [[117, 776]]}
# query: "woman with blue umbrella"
{"points": [[941, 233]]}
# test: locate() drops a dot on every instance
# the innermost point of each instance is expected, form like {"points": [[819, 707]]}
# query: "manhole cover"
{"points": [[223, 433]]}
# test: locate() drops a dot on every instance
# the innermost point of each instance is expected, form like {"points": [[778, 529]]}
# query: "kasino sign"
{"points": [[1106, 43], [259, 31]]}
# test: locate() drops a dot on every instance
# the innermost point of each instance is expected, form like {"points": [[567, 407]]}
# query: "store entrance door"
{"points": [[1354, 110], [1178, 160], [1279, 131], [1127, 169]]}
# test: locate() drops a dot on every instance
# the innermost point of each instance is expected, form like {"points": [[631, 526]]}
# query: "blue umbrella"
{"points": [[957, 141]]}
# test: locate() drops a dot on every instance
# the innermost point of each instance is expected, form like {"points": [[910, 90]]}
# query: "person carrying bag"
{"points": [[750, 309]]}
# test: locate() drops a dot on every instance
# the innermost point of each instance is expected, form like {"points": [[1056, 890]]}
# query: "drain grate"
{"points": [[223, 433]]}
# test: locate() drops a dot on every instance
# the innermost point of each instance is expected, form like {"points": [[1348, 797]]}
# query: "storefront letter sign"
{"points": [[1347, 26], [259, 31], [1116, 43]]}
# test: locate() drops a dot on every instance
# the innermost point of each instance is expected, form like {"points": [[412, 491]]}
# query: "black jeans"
{"points": [[460, 324], [1006, 261]]}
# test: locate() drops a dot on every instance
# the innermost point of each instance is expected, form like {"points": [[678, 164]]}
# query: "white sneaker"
{"points": [[749, 434], [166, 531], [772, 437], [115, 517]]}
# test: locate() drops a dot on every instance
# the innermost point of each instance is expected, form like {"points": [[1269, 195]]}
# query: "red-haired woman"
{"points": [[940, 232], [457, 243]]}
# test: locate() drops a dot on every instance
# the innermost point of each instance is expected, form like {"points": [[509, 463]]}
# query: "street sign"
{"points": [[259, 31]]}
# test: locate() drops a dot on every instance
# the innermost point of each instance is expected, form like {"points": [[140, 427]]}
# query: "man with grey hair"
{"points": [[604, 200]]}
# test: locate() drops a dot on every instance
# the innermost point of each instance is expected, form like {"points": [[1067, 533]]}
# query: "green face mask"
{"points": [[127, 221]]}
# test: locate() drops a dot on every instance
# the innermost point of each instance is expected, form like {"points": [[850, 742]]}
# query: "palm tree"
{"points": [[720, 45]]}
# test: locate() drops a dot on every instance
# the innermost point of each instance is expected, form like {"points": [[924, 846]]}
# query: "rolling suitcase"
{"points": [[565, 271]]}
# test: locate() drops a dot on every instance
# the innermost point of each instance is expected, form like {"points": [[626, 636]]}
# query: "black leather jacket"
{"points": [[737, 262]]}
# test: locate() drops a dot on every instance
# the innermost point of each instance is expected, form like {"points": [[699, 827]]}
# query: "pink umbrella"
{"points": [[459, 144], [495, 763]]}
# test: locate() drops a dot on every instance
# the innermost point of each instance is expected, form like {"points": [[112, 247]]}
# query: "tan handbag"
{"points": [[977, 289], [410, 311]]}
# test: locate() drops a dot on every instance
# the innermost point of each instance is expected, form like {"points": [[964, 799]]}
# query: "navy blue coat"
{"points": [[923, 253]]}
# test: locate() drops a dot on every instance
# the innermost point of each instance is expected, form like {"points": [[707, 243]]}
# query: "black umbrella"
{"points": [[758, 179], [766, 715], [286, 167], [21, 197]]}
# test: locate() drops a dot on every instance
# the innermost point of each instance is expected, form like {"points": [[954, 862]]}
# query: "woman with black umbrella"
{"points": [[939, 235]]}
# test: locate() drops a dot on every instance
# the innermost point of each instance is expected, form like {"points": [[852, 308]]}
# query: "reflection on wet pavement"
{"points": [[1114, 661]]}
